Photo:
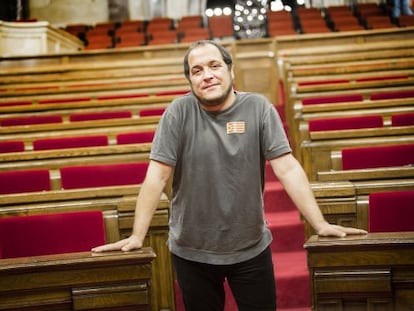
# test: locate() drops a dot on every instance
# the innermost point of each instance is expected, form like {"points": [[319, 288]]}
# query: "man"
{"points": [[216, 141]]}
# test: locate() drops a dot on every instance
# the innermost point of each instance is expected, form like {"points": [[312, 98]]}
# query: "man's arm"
{"points": [[148, 199], [293, 178]]}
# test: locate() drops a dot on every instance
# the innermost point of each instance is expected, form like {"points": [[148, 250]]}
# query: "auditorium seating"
{"points": [[11, 146], [391, 211], [70, 142], [340, 200], [118, 203], [221, 26], [16, 121], [135, 137], [25, 181], [366, 157], [89, 176], [47, 234]]}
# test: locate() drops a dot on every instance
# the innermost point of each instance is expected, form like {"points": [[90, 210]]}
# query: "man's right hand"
{"points": [[124, 245]]}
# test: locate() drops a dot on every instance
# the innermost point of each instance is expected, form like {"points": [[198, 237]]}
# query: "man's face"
{"points": [[210, 78]]}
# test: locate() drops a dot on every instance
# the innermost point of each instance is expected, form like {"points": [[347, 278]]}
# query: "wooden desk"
{"points": [[368, 272], [77, 281]]}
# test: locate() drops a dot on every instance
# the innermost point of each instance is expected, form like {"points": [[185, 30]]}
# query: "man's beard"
{"points": [[214, 102]]}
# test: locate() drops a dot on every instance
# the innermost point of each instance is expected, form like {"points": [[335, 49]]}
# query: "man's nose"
{"points": [[207, 73]]}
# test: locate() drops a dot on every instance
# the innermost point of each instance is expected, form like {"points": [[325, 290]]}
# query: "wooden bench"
{"points": [[79, 72], [358, 123], [393, 99], [320, 156], [312, 71], [67, 102], [153, 89], [336, 48], [373, 271], [118, 206], [78, 281], [346, 202], [111, 128]]}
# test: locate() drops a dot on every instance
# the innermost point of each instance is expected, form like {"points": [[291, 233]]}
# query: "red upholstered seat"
{"points": [[70, 142], [123, 96], [63, 100], [24, 181], [332, 99], [322, 82], [35, 235], [99, 115], [11, 146], [382, 78], [135, 137], [345, 123], [16, 103], [402, 119], [392, 95], [30, 120], [151, 112], [75, 177], [172, 92], [377, 156], [391, 211]]}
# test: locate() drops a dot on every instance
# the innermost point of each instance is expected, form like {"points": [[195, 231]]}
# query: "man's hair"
{"points": [[227, 58]]}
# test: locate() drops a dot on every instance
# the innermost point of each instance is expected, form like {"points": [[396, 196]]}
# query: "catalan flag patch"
{"points": [[236, 127]]}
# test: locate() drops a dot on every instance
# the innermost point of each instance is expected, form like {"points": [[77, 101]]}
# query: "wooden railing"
{"points": [[118, 205], [369, 272], [78, 281]]}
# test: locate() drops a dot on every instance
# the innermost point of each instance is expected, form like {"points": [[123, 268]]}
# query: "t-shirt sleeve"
{"points": [[275, 142], [166, 141]]}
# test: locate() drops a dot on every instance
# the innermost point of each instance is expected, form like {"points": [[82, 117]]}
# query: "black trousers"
{"points": [[252, 283]]}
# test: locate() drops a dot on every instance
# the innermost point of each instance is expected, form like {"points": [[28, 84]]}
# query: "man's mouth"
{"points": [[209, 86]]}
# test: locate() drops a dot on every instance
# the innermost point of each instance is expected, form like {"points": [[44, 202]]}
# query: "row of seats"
{"points": [[361, 16], [159, 30], [354, 129], [77, 117], [76, 142], [163, 30]]}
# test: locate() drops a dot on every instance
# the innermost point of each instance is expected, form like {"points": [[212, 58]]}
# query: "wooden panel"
{"points": [[367, 272], [77, 281], [118, 204]]}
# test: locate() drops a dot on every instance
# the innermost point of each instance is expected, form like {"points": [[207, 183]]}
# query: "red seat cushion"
{"points": [[332, 99], [135, 138], [402, 119], [392, 95], [172, 92], [70, 142], [100, 115], [46, 234], [345, 123], [377, 156], [151, 112], [16, 103], [381, 78], [391, 211], [322, 82], [102, 175], [123, 96], [31, 120], [11, 146], [24, 181], [63, 100]]}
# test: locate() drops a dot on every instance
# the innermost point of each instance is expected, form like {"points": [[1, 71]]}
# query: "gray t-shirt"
{"points": [[217, 214]]}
